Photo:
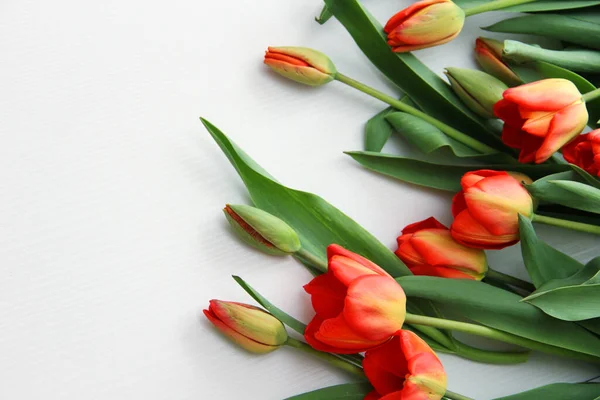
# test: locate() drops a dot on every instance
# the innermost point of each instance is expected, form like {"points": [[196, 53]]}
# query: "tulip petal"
{"points": [[413, 391], [458, 203], [473, 177], [334, 249], [327, 295], [466, 230], [386, 366], [529, 147], [539, 124], [347, 270], [372, 395], [336, 332], [566, 124], [508, 112], [309, 335], [406, 252], [430, 222], [285, 58], [429, 25], [512, 137], [375, 307], [402, 15], [544, 95]]}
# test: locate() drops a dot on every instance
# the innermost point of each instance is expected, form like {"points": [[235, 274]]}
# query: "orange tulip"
{"points": [[486, 212], [358, 305], [584, 151], [405, 368], [427, 248], [250, 327], [301, 64], [426, 23], [540, 117], [488, 53]]}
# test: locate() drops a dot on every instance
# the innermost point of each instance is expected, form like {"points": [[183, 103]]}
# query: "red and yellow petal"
{"points": [[386, 366], [430, 222], [327, 295], [544, 95], [406, 252], [402, 15], [458, 203], [473, 177], [338, 334], [337, 250], [466, 230], [566, 124]]}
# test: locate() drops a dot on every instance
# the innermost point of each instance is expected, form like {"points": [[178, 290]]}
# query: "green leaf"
{"points": [[541, 5], [324, 16], [580, 60], [346, 391], [267, 305], [593, 325], [440, 176], [543, 262], [552, 71], [587, 178], [502, 310], [317, 222], [432, 94], [567, 193], [378, 131], [560, 27], [574, 298], [559, 391]]}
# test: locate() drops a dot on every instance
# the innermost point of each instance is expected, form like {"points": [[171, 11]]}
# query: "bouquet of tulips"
{"points": [[519, 155]]}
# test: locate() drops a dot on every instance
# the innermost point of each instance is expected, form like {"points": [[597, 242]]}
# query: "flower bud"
{"points": [[262, 230], [488, 53], [301, 64], [478, 90], [250, 327], [426, 23], [584, 151]]}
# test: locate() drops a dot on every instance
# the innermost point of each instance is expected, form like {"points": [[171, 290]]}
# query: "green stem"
{"points": [[455, 396], [509, 279], [488, 356], [313, 260], [330, 358], [495, 334], [448, 130], [494, 5], [564, 223], [589, 96]]}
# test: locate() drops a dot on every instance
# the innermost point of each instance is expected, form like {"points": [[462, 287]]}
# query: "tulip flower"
{"points": [[427, 248], [426, 23], [584, 151], [262, 230], [405, 368], [488, 53], [358, 305], [301, 64], [540, 117], [486, 212], [478, 90], [250, 327]]}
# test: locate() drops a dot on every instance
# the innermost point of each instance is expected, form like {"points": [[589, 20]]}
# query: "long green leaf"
{"points": [[567, 193], [560, 27], [346, 391], [440, 176], [559, 391], [317, 222], [378, 131], [540, 5], [502, 310], [422, 85], [580, 60]]}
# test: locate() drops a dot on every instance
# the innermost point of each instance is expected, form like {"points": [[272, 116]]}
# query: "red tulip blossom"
{"points": [[405, 368], [584, 151], [358, 305], [486, 212], [540, 117], [427, 248]]}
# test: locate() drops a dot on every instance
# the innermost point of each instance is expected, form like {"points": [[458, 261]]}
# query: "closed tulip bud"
{"points": [[426, 23], [358, 305], [478, 90], [427, 248], [488, 53], [301, 64], [405, 368], [250, 327], [541, 117], [584, 151], [486, 212], [262, 230]]}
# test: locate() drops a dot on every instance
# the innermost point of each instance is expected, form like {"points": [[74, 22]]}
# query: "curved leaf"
{"points": [[567, 193], [346, 391], [502, 310], [580, 60], [317, 222], [559, 391], [378, 131], [540, 5], [560, 27]]}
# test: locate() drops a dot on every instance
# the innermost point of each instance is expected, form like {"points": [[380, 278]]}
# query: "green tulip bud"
{"points": [[262, 230], [478, 90]]}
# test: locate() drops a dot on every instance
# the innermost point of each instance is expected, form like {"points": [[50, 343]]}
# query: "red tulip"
{"points": [[358, 305], [250, 327], [486, 210], [405, 368], [426, 23], [540, 117], [427, 248], [584, 151]]}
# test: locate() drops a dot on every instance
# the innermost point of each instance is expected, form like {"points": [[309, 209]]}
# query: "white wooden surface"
{"points": [[112, 237]]}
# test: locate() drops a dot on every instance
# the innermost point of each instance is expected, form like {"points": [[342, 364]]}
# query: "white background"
{"points": [[112, 236]]}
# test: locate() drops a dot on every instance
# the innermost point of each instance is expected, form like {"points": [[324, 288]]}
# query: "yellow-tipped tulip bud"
{"points": [[478, 90], [488, 53], [301, 64]]}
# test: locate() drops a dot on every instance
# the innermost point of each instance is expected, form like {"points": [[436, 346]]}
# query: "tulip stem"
{"points": [[564, 223], [312, 259], [448, 130], [589, 96], [455, 396], [331, 358], [509, 279], [494, 5], [495, 334]]}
